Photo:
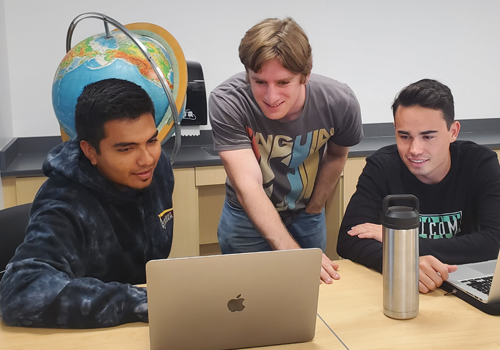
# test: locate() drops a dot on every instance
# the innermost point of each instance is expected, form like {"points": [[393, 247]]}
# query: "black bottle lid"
{"points": [[400, 217]]}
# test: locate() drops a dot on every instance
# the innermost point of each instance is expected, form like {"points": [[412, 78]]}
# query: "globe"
{"points": [[100, 57]]}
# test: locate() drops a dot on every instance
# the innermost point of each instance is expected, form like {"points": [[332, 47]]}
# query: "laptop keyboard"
{"points": [[482, 284]]}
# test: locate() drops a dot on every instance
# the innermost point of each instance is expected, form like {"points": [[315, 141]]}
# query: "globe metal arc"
{"points": [[143, 53]]}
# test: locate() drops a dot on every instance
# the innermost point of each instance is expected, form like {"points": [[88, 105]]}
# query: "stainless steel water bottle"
{"points": [[400, 256]]}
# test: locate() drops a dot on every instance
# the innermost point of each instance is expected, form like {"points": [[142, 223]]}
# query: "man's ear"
{"points": [[247, 76], [454, 130], [89, 151], [306, 80]]}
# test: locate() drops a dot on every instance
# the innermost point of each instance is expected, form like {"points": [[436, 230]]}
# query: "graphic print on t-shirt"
{"points": [[436, 226], [289, 165]]}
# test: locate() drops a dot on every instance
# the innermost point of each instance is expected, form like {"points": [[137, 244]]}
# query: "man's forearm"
{"points": [[65, 302], [367, 252], [265, 218], [245, 176], [331, 167], [475, 247]]}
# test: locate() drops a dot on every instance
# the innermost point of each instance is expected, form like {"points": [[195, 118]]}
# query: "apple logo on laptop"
{"points": [[236, 304]]}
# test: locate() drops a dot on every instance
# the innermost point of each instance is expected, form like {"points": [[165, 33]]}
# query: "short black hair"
{"points": [[107, 100], [427, 93]]}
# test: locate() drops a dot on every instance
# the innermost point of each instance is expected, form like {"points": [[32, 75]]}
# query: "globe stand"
{"points": [[151, 61]]}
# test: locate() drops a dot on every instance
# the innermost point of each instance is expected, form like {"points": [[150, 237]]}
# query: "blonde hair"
{"points": [[275, 38]]}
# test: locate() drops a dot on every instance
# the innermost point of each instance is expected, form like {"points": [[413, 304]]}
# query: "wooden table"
{"points": [[353, 308], [130, 336]]}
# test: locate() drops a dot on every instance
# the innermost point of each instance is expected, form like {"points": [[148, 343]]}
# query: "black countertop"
{"points": [[484, 132], [24, 156]]}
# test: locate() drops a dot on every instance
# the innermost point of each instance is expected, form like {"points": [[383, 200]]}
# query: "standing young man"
{"points": [[457, 184], [283, 136], [105, 210]]}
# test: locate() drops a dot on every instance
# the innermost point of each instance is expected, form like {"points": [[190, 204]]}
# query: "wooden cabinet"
{"points": [[198, 198], [211, 194], [20, 190], [185, 201], [333, 215], [352, 169]]}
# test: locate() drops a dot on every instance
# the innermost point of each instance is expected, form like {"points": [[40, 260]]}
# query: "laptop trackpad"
{"points": [[487, 267], [474, 270]]}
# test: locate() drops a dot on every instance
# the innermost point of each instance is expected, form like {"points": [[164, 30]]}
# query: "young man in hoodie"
{"points": [[105, 210]]}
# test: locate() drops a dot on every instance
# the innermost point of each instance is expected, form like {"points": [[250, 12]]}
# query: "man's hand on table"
{"points": [[328, 270], [367, 230], [432, 273]]}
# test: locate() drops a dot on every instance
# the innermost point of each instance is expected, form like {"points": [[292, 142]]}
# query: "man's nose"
{"points": [[145, 157], [416, 147], [271, 93]]}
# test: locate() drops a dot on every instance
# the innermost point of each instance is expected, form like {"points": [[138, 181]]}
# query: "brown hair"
{"points": [[275, 38]]}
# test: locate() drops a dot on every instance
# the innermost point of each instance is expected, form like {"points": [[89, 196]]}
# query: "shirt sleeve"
{"points": [[228, 129], [45, 285], [483, 244], [350, 131]]}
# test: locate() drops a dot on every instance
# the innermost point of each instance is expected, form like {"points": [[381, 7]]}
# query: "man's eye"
{"points": [[284, 83], [123, 150], [428, 137], [153, 140]]}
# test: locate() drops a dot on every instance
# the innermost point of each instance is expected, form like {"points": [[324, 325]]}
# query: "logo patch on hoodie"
{"points": [[166, 216]]}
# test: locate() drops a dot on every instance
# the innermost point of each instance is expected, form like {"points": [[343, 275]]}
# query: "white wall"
{"points": [[6, 131], [377, 47]]}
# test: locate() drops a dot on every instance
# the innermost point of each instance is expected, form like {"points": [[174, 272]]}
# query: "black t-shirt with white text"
{"points": [[459, 216]]}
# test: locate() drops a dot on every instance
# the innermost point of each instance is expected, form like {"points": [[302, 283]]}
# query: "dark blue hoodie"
{"points": [[86, 245]]}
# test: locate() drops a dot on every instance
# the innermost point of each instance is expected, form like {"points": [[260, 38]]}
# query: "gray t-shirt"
{"points": [[288, 152]]}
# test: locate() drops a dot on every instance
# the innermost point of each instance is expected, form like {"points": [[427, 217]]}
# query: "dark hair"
{"points": [[106, 100], [427, 93]]}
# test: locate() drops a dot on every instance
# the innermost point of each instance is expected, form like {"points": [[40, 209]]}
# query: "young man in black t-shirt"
{"points": [[457, 184]]}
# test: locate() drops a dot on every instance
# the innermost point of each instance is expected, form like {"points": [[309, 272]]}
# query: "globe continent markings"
{"points": [[97, 58]]}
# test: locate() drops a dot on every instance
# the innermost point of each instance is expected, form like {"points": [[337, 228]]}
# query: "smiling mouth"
{"points": [[146, 173], [274, 105], [417, 161]]}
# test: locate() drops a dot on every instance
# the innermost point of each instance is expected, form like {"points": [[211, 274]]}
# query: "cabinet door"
{"points": [[27, 188], [333, 218], [353, 168], [20, 190], [210, 182], [186, 240], [9, 191]]}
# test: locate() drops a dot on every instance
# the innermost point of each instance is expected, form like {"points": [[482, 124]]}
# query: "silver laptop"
{"points": [[233, 301], [479, 280]]}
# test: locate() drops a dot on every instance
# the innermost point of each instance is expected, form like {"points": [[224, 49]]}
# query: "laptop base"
{"points": [[490, 308]]}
